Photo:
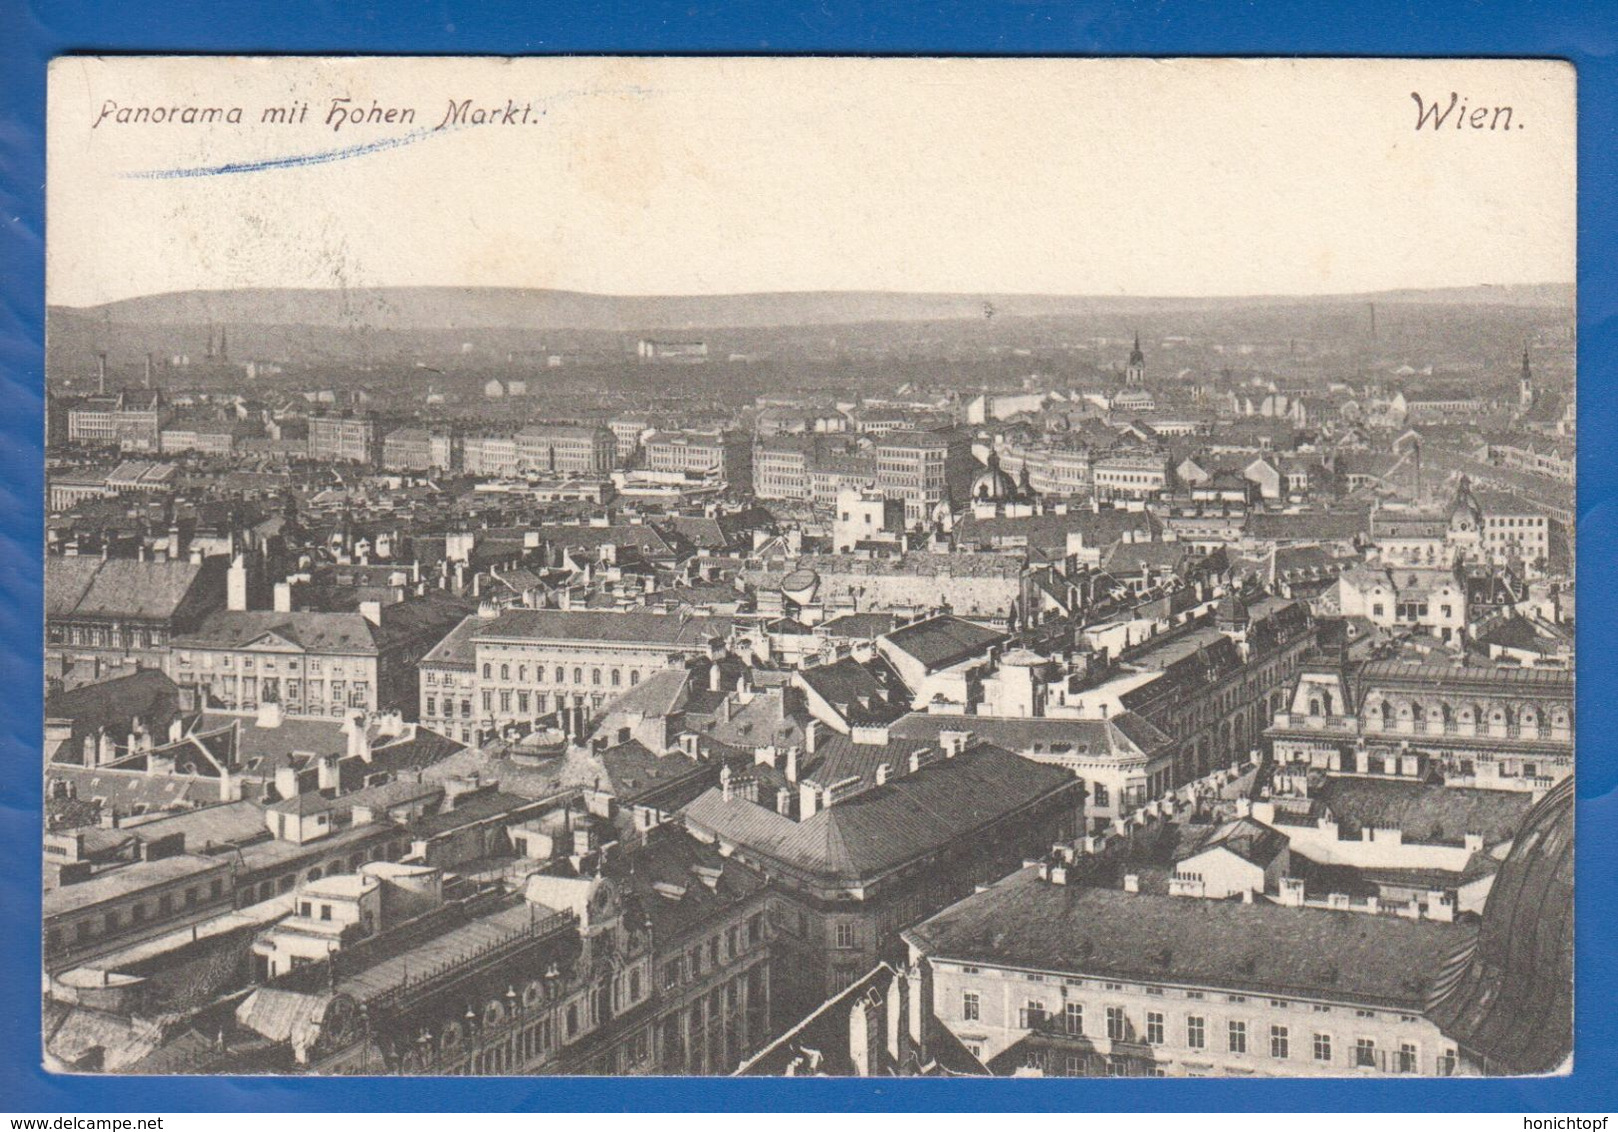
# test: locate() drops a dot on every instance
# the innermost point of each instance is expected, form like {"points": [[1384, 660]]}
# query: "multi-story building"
{"points": [[707, 918], [134, 901], [118, 612], [1130, 476], [627, 431], [344, 438], [1052, 469], [309, 663], [206, 438], [726, 455], [832, 473], [566, 448], [1505, 728], [1040, 972], [928, 470], [1213, 686], [131, 420], [864, 836], [531, 662], [416, 450], [781, 466], [492, 456]]}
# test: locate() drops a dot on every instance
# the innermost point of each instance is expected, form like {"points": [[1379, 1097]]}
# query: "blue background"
{"points": [[31, 34]]}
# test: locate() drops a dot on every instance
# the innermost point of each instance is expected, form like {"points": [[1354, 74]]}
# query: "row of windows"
{"points": [[1120, 1028], [708, 955], [112, 922], [615, 676], [268, 663]]}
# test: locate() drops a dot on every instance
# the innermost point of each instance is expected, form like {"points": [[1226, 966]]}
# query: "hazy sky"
{"points": [[705, 176]]}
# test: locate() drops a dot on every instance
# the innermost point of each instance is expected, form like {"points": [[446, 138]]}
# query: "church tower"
{"points": [[1135, 374], [1525, 385]]}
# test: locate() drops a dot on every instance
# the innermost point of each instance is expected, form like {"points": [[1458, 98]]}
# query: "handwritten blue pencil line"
{"points": [[293, 162]]}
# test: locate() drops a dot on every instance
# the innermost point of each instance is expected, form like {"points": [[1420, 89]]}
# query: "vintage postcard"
{"points": [[786, 566]]}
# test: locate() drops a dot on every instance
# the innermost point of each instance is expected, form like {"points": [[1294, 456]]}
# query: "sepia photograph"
{"points": [[809, 567]]}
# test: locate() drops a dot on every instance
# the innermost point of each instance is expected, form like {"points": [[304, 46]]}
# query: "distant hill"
{"points": [[442, 308]]}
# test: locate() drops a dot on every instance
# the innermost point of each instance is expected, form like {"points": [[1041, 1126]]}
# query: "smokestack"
{"points": [[148, 377], [101, 372]]}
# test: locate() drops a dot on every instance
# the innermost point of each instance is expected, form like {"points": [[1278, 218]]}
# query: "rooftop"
{"points": [[1033, 924]]}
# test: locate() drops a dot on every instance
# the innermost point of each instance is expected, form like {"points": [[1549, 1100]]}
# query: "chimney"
{"points": [[101, 372], [283, 597], [714, 676], [792, 765], [882, 775], [724, 783], [1292, 892], [148, 378], [286, 781], [811, 735], [329, 778], [236, 584], [808, 800], [1132, 882], [359, 740]]}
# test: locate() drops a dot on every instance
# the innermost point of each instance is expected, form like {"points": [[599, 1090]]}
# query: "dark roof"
{"points": [[879, 830], [859, 625], [117, 587], [1425, 813], [665, 879], [1034, 924], [636, 772], [1250, 840], [866, 695], [146, 693], [344, 633], [1511, 1004], [939, 642], [1439, 677], [1337, 525]]}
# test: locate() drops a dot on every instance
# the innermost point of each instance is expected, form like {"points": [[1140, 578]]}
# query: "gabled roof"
{"points": [[1252, 841]]}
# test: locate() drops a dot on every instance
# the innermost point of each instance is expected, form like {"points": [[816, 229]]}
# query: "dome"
{"points": [[800, 586], [1510, 1008], [993, 485]]}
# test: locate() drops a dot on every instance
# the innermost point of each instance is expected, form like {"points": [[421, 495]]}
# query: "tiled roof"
{"points": [[340, 633], [1029, 923], [117, 587], [1425, 813], [875, 832]]}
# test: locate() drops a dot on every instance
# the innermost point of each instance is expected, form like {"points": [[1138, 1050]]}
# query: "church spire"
{"points": [[1135, 373]]}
